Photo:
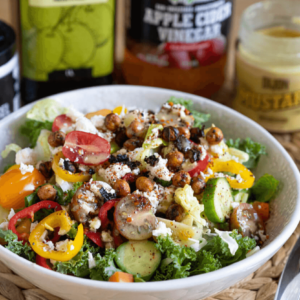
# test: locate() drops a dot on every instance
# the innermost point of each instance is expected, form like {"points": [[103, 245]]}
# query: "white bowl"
{"points": [[284, 217]]}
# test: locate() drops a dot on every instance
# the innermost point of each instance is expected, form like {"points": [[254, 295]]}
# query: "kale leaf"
{"points": [[264, 188]]}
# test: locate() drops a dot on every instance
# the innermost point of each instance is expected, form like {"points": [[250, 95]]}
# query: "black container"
{"points": [[9, 71]]}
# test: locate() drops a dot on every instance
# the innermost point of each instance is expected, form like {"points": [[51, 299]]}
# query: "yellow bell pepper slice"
{"points": [[57, 219], [236, 168], [102, 112], [64, 174], [14, 167], [118, 110]]}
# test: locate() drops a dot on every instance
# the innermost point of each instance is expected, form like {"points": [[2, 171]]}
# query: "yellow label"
{"points": [[271, 99], [49, 3]]}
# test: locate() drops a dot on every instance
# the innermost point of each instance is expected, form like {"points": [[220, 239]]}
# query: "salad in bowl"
{"points": [[132, 195]]}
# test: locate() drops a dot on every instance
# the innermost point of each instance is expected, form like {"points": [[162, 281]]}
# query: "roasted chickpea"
{"points": [[196, 134], [112, 122], [144, 184], [57, 138], [46, 169], [170, 133], [122, 188], [184, 131], [47, 192], [132, 144], [197, 184], [136, 129], [175, 212], [175, 159], [181, 178], [69, 166], [214, 136]]}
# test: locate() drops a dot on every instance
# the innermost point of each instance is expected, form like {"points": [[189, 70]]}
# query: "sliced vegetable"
{"points": [[114, 147], [86, 148], [265, 188], [240, 196], [200, 167], [263, 210], [61, 122], [41, 261], [57, 219], [104, 211], [134, 217], [120, 109], [29, 213], [9, 148], [121, 277], [244, 178], [240, 155], [152, 140], [138, 257], [15, 186], [95, 237], [163, 182], [66, 175], [102, 112], [217, 199], [246, 220], [42, 147]]}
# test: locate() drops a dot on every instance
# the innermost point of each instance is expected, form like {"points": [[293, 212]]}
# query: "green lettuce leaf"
{"points": [[32, 129], [255, 150], [150, 141], [67, 199], [180, 258], [199, 117], [16, 246], [42, 147], [9, 148], [264, 188], [46, 110]]}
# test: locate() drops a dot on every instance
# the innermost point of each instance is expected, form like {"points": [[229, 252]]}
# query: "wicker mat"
{"points": [[260, 285]]}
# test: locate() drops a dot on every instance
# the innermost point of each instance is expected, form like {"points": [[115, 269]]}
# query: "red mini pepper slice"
{"points": [[95, 237], [104, 210], [130, 177], [29, 212], [201, 166], [41, 261]]}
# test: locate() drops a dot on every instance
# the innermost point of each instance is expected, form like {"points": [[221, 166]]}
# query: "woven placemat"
{"points": [[260, 285]]}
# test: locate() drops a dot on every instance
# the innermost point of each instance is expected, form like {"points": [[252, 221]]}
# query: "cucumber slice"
{"points": [[217, 199], [138, 257], [241, 196]]}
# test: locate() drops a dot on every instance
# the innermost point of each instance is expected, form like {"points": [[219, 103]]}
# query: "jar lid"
{"points": [[7, 43]]}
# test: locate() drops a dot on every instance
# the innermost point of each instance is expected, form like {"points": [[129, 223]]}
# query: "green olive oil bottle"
{"points": [[66, 45]]}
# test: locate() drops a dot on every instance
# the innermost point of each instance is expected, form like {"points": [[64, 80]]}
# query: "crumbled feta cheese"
{"points": [[33, 225], [136, 171], [61, 163], [95, 224], [62, 246], [83, 168], [65, 186], [108, 135], [218, 149], [43, 236], [121, 151], [253, 251], [231, 242], [62, 231], [91, 261], [85, 207], [235, 204], [239, 178], [11, 214], [135, 154], [114, 172], [84, 124], [209, 173], [74, 114], [49, 246], [188, 166], [97, 185], [98, 121], [26, 156], [4, 226], [197, 245], [106, 236], [160, 169], [26, 168], [162, 230]]}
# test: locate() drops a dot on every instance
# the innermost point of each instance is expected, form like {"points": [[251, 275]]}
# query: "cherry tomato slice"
{"points": [[246, 220], [130, 177], [86, 148], [95, 237], [201, 166], [104, 210], [61, 122], [263, 210]]}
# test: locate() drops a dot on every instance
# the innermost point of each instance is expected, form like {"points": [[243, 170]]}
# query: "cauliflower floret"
{"points": [[26, 156]]}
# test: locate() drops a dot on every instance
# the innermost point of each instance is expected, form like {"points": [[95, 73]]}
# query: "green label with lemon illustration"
{"points": [[71, 41]]}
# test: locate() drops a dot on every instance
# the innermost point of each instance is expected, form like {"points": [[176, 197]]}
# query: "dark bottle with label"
{"points": [[9, 71], [65, 46], [177, 44]]}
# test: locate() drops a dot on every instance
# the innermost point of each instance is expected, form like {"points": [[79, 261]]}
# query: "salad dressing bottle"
{"points": [[65, 45]]}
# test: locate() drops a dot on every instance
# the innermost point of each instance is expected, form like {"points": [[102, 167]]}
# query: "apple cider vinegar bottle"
{"points": [[66, 45]]}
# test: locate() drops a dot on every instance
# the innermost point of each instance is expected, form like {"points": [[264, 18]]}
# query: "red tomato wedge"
{"points": [[201, 166], [61, 122], [86, 148]]}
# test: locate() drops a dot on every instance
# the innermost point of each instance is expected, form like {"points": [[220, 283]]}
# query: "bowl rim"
{"points": [[175, 284]]}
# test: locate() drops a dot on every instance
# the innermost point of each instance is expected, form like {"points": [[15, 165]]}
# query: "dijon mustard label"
{"points": [[49, 3], [268, 97]]}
